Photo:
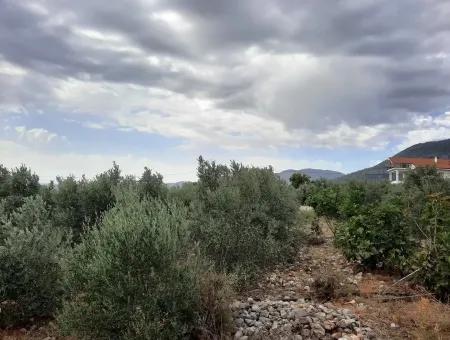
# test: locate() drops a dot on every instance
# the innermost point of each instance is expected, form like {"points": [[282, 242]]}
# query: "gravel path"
{"points": [[284, 304]]}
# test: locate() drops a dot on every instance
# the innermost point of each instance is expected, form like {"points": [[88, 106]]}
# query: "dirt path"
{"points": [[339, 302]]}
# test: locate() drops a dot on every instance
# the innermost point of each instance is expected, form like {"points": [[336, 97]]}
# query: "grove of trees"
{"points": [[129, 258], [123, 257]]}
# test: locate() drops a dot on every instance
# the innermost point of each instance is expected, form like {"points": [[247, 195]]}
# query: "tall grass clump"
{"points": [[135, 275], [31, 253], [245, 218]]}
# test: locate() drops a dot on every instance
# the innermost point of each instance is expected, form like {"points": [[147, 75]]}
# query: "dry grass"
{"points": [[413, 318], [427, 318]]}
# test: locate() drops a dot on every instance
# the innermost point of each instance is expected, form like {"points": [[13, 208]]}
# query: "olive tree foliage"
{"points": [[151, 185], [17, 184], [297, 179], [245, 217], [31, 253], [135, 275]]}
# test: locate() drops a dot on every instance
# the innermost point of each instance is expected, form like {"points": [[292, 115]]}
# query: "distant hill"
{"points": [[378, 172], [439, 149], [312, 173], [375, 173]]}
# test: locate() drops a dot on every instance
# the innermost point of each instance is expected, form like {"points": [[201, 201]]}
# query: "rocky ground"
{"points": [[323, 296], [278, 319]]}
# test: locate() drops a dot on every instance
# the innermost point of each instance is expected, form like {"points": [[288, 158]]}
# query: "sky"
{"points": [[337, 85]]}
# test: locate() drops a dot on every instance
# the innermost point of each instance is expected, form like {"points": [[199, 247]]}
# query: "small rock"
{"points": [[318, 330], [239, 322], [256, 308]]}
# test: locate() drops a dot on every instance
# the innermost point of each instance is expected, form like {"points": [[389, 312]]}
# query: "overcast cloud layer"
{"points": [[242, 79]]}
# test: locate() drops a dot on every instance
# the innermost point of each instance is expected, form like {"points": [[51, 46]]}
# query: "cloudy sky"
{"points": [[325, 84]]}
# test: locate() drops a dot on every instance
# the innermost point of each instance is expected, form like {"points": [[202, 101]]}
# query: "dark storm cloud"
{"points": [[382, 60]]}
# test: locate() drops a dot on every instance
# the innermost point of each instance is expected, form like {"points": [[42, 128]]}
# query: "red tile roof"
{"points": [[420, 162]]}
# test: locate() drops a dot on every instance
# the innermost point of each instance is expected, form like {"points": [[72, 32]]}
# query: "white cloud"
{"points": [[199, 121], [37, 135], [427, 128]]}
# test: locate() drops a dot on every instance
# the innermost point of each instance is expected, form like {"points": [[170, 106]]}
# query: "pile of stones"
{"points": [[282, 319]]}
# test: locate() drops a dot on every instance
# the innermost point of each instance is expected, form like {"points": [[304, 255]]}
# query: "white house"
{"points": [[399, 166]]}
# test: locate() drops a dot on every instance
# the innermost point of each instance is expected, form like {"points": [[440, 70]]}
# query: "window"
{"points": [[393, 176], [400, 176]]}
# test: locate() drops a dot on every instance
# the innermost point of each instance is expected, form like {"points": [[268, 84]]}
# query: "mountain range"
{"points": [[314, 174]]}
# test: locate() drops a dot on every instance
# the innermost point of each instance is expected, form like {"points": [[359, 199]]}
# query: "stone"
{"points": [[318, 330], [321, 315], [336, 335], [302, 320], [328, 325], [298, 313], [239, 321], [250, 322], [306, 332], [256, 308]]}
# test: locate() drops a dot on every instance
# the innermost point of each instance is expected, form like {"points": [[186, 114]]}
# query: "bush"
{"points": [[403, 228], [433, 257], [31, 251], [379, 237], [297, 179], [134, 276], [245, 218], [324, 198], [151, 185], [186, 194], [16, 185]]}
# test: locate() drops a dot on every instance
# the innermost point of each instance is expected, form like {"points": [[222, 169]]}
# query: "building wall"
{"points": [[445, 173]]}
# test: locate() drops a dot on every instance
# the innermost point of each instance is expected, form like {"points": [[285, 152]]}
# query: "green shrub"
{"points": [[297, 179], [324, 198], [31, 250], [433, 256], [186, 194], [134, 276], [379, 237], [16, 185], [245, 218]]}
